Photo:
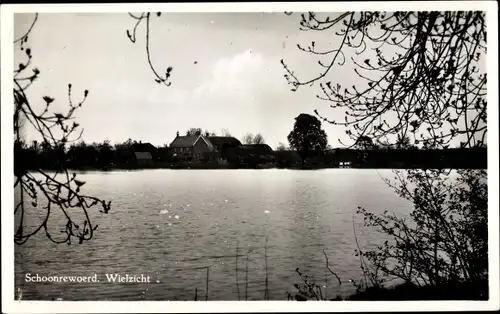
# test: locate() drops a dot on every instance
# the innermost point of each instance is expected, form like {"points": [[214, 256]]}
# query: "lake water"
{"points": [[173, 224]]}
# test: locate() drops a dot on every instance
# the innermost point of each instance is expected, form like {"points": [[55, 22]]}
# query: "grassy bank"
{"points": [[473, 291], [470, 291]]}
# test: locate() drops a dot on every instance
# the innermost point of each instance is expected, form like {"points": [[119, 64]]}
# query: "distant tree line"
{"points": [[389, 158], [75, 155], [307, 145], [247, 139], [199, 131], [364, 154], [250, 139]]}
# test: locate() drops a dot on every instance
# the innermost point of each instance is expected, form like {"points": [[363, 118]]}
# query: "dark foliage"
{"points": [[422, 81], [307, 136], [444, 239]]}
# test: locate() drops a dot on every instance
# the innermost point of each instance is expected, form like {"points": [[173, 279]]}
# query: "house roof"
{"points": [[143, 155], [219, 141], [189, 141], [184, 141], [142, 147], [253, 149], [257, 147]]}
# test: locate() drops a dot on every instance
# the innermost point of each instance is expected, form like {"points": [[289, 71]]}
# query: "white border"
{"points": [[256, 6], [11, 306]]}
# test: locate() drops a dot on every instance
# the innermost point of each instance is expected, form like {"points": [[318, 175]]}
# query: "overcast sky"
{"points": [[237, 82], [226, 74]]}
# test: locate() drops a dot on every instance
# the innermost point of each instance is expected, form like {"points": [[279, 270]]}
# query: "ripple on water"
{"points": [[311, 212]]}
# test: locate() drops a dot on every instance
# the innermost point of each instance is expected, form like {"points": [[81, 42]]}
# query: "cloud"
{"points": [[245, 92], [238, 78], [244, 75]]}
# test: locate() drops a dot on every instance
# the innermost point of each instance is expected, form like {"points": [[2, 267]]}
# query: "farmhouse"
{"points": [[221, 148], [191, 147]]}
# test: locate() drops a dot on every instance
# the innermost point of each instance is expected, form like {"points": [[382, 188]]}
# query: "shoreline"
{"points": [[229, 167]]}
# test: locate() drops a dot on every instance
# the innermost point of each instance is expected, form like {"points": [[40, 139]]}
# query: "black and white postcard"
{"points": [[281, 156]]}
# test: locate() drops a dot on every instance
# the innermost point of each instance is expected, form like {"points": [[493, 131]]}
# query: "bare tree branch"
{"points": [[146, 16], [60, 191], [421, 75]]}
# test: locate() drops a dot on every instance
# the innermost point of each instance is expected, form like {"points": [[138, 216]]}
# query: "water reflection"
{"points": [[171, 225]]}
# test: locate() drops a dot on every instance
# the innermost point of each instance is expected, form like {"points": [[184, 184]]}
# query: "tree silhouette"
{"points": [[421, 74], [364, 142], [249, 138], [49, 193], [307, 136], [421, 80], [447, 239], [281, 147], [225, 132], [403, 143], [105, 156], [258, 139], [194, 131]]}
